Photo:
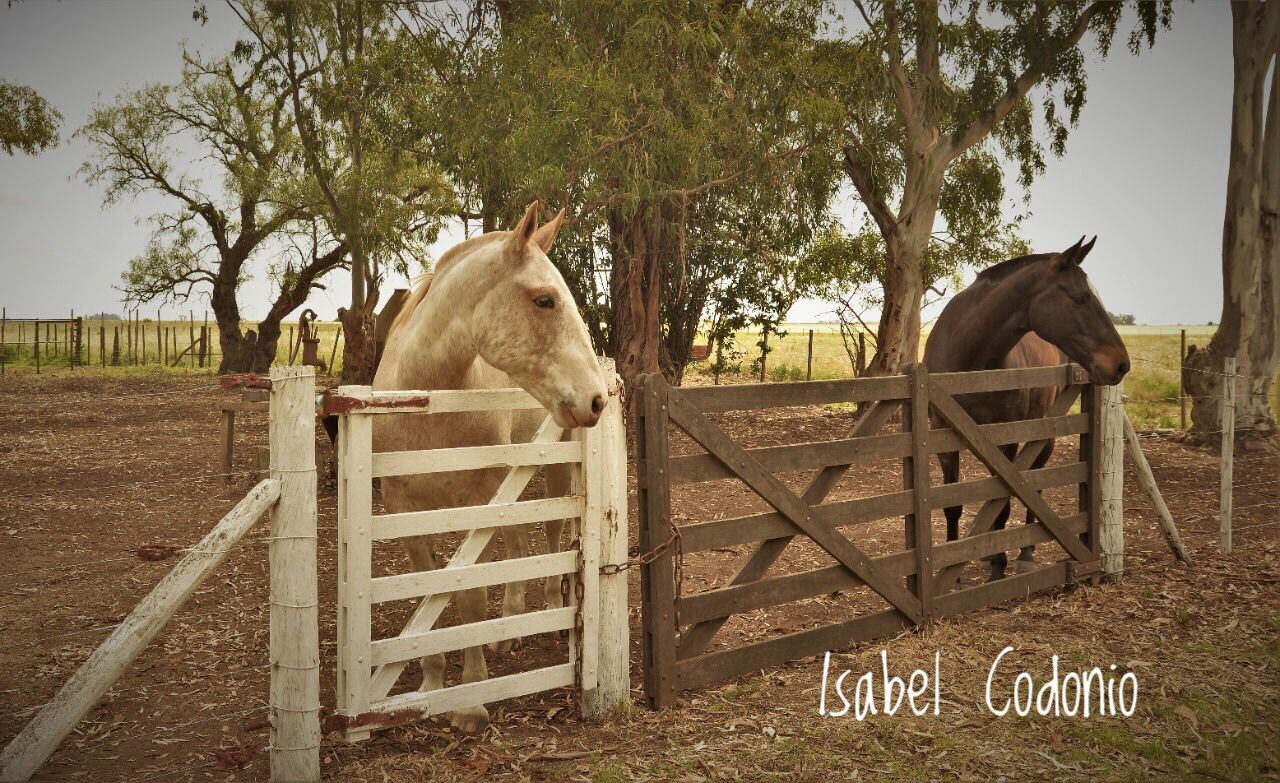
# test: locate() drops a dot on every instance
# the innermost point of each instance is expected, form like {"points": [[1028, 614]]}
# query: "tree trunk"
{"points": [[635, 288], [1250, 247], [898, 334]]}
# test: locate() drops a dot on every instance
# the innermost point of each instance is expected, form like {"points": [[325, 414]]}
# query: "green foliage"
{"points": [[27, 122], [681, 130]]}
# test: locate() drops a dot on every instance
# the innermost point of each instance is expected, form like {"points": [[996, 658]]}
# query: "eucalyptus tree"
{"points": [[1249, 329], [682, 138], [934, 92], [341, 61], [218, 146]]}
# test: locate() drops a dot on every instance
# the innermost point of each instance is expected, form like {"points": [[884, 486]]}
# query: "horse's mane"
{"points": [[419, 285], [998, 272]]}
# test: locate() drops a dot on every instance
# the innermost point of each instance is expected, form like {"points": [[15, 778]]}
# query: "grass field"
{"points": [[1152, 386], [147, 350]]}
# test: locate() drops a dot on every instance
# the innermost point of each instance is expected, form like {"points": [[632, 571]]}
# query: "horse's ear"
{"points": [[523, 231], [1084, 250], [546, 234], [1070, 256]]}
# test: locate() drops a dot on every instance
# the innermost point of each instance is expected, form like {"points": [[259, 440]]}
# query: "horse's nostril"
{"points": [[1122, 368], [597, 404]]}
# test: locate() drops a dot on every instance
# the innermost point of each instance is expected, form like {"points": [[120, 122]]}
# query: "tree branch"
{"points": [[995, 114]]}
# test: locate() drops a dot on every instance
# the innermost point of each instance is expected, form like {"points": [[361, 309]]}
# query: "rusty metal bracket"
{"points": [[333, 404], [243, 380]]}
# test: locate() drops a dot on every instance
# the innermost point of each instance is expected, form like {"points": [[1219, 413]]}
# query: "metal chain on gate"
{"points": [[636, 559], [579, 596]]}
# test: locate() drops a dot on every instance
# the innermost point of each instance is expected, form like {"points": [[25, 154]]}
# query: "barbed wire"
{"points": [[116, 398], [176, 480]]}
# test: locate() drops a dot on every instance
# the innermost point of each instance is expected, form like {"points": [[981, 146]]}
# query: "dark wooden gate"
{"points": [[679, 627]]}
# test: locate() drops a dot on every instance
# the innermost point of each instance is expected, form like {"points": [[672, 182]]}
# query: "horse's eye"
{"points": [[546, 302]]}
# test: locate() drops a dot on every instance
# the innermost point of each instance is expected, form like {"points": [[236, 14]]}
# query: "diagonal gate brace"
{"points": [[778, 495], [1001, 467]]}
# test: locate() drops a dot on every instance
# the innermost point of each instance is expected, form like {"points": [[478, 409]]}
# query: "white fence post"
{"points": [[295, 640], [605, 462], [1228, 447], [1111, 525]]}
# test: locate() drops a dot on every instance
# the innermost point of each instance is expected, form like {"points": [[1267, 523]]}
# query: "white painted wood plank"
{"points": [[508, 455], [356, 543], [452, 520], [451, 580], [482, 692], [468, 553], [458, 637], [34, 744]]}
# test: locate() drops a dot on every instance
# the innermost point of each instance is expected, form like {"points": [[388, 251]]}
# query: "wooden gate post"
{"points": [[657, 578], [1111, 524], [605, 463], [295, 636], [919, 523]]}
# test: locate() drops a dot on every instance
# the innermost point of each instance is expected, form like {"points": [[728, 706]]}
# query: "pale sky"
{"points": [[1145, 170]]}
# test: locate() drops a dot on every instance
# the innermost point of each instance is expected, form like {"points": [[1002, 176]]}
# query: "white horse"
{"points": [[495, 314]]}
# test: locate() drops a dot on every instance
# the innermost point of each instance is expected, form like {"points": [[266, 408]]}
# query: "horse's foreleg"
{"points": [[559, 484], [1000, 561], [1027, 555], [472, 608], [423, 556], [950, 462], [516, 539]]}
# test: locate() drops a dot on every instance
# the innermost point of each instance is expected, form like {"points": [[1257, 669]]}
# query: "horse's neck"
{"points": [[995, 324], [438, 350]]}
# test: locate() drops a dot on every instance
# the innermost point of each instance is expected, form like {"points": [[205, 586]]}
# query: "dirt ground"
{"points": [[93, 468]]}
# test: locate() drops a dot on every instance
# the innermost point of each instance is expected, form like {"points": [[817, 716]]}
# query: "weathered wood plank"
{"points": [[657, 578], [807, 456], [776, 494], [735, 531], [712, 668], [919, 523], [751, 396], [733, 599], [979, 381], [42, 735]]}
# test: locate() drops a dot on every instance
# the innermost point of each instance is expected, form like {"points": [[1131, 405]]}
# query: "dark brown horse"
{"points": [[1033, 311]]}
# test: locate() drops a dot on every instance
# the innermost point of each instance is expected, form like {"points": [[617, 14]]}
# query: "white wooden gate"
{"points": [[595, 509]]}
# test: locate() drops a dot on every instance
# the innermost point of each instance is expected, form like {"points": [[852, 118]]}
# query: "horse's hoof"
{"points": [[1024, 566], [995, 577], [506, 646], [472, 720]]}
